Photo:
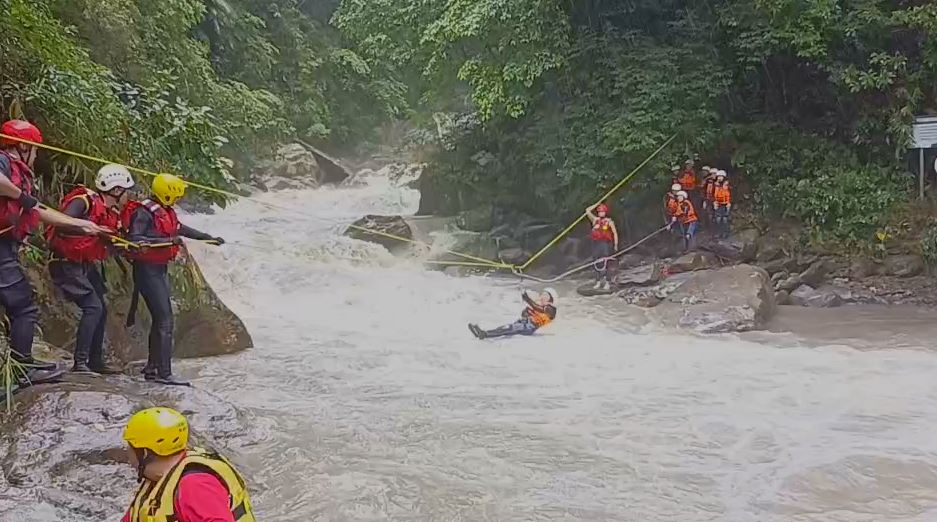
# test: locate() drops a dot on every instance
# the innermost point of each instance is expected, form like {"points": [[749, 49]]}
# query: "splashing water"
{"points": [[385, 408]]}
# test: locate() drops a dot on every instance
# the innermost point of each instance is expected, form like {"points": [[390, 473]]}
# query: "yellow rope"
{"points": [[614, 189]]}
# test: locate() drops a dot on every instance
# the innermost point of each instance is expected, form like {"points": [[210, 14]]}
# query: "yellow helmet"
{"points": [[168, 189], [163, 431]]}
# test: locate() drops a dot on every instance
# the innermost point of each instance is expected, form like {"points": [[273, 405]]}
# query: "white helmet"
{"points": [[682, 193], [554, 297], [722, 173], [707, 169], [676, 187], [113, 176]]}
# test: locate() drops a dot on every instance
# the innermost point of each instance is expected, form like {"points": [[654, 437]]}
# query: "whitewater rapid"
{"points": [[379, 405]]}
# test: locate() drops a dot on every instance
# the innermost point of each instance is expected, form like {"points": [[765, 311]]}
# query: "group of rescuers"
{"points": [[90, 225], [177, 483], [692, 195]]}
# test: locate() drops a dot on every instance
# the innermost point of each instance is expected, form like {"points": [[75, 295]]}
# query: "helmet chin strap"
{"points": [[144, 457]]}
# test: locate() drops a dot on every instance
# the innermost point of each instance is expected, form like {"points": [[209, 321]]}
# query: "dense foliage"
{"points": [[807, 102], [190, 86]]}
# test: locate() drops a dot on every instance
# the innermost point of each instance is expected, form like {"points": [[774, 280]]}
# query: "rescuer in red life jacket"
{"points": [[604, 243], [154, 225], [20, 214], [76, 266]]}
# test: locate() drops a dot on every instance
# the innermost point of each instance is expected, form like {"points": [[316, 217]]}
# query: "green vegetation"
{"points": [[808, 101], [190, 86]]}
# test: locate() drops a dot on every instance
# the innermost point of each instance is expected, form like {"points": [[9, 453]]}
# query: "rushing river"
{"points": [[381, 406]]}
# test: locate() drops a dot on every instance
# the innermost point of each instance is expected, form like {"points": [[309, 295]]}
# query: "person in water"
{"points": [[538, 313], [76, 262], [20, 214], [155, 227], [178, 483], [604, 243]]}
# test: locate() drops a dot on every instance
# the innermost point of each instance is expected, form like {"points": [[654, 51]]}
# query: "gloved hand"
{"points": [[218, 241], [177, 241], [27, 202]]}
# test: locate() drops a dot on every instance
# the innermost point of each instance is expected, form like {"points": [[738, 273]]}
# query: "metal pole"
{"points": [[921, 177]]}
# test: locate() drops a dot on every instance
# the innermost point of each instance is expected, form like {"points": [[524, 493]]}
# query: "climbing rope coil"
{"points": [[468, 260]]}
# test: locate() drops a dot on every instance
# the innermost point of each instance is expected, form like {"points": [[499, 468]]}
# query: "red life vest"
{"points": [[83, 249], [10, 209], [602, 230], [167, 225]]}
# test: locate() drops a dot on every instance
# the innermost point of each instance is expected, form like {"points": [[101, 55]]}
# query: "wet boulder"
{"points": [[732, 299], [293, 166], [639, 276], [825, 297], [513, 256], [903, 265], [692, 262], [389, 225], [740, 248], [815, 273], [61, 452]]}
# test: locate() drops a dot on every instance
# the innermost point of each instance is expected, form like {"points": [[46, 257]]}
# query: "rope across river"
{"points": [[467, 260]]}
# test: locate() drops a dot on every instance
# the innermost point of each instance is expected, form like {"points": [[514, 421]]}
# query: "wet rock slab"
{"points": [[732, 299]]}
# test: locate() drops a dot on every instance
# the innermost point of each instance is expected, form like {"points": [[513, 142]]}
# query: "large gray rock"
{"points": [[390, 225], [292, 167], [732, 299], [640, 276], [903, 265], [513, 256], [476, 220], [825, 297], [693, 261], [61, 452], [740, 248], [815, 273]]}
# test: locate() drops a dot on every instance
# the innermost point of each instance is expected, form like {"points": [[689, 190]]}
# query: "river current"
{"points": [[379, 404]]}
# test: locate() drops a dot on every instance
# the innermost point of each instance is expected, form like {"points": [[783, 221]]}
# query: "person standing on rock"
{"points": [[670, 203], [690, 182], [178, 483], [722, 204], [604, 243], [20, 215], [76, 263], [539, 313], [154, 226], [687, 219], [709, 181]]}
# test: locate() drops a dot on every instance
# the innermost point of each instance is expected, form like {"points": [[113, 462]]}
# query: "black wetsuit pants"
{"points": [[23, 313], [83, 284], [152, 281]]}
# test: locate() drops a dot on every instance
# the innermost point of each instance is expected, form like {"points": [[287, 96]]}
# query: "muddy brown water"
{"points": [[380, 406]]}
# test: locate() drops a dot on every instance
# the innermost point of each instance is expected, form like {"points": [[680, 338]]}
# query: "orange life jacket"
{"points": [[13, 219], [602, 230], [539, 319], [167, 225], [688, 180], [670, 203], [83, 249], [709, 186], [722, 195], [686, 212]]}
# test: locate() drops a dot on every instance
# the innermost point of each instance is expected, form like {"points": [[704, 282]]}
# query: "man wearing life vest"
{"points": [[604, 243], [76, 266], [670, 202], [154, 225], [722, 203], [20, 215], [178, 484], [538, 313], [686, 218], [709, 178]]}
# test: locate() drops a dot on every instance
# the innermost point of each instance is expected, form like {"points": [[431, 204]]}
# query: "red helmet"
{"points": [[602, 207], [20, 129]]}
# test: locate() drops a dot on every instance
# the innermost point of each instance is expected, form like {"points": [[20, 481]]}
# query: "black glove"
{"points": [[27, 202], [218, 240]]}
